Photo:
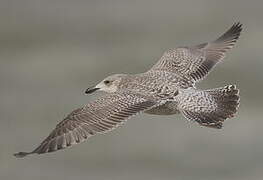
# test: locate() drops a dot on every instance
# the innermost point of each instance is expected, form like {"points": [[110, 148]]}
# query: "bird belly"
{"points": [[168, 108]]}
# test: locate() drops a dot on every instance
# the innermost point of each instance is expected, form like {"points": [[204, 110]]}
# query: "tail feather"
{"points": [[227, 99], [212, 107]]}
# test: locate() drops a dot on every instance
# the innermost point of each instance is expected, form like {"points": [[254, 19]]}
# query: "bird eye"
{"points": [[106, 81]]}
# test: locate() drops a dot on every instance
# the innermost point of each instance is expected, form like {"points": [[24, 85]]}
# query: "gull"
{"points": [[167, 88]]}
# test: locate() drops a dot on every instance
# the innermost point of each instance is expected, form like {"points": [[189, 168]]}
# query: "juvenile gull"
{"points": [[167, 88]]}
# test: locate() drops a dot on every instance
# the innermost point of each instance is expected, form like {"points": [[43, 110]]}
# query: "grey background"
{"points": [[51, 51]]}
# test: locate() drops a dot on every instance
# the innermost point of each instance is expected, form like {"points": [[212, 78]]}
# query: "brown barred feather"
{"points": [[100, 116], [195, 62]]}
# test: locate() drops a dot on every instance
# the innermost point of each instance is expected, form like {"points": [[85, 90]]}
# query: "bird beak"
{"points": [[91, 90]]}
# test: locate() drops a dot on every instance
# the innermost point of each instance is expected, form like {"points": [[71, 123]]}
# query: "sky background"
{"points": [[51, 51]]}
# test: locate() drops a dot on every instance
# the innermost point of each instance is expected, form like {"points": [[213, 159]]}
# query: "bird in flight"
{"points": [[167, 88]]}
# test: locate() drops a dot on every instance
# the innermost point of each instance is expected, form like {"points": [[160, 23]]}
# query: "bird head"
{"points": [[110, 84]]}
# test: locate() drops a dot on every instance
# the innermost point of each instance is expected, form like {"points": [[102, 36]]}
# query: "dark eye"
{"points": [[106, 81]]}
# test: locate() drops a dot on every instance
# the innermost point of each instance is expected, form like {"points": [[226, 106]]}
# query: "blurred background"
{"points": [[51, 51]]}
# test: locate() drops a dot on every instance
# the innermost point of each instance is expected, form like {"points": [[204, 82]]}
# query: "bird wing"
{"points": [[99, 116], [195, 62]]}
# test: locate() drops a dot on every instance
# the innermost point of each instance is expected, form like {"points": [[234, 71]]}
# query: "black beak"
{"points": [[91, 90]]}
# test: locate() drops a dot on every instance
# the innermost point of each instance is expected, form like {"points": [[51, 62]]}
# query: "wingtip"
{"points": [[237, 27], [231, 35], [21, 154]]}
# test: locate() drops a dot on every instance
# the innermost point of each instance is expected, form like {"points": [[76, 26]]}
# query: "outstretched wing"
{"points": [[195, 62], [100, 116]]}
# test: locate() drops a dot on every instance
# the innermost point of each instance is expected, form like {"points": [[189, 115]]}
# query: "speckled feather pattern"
{"points": [[167, 88]]}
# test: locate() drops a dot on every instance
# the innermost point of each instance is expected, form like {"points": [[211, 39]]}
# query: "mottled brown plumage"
{"points": [[167, 88], [100, 116]]}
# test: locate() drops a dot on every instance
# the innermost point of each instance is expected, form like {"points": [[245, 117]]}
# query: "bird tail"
{"points": [[211, 107]]}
